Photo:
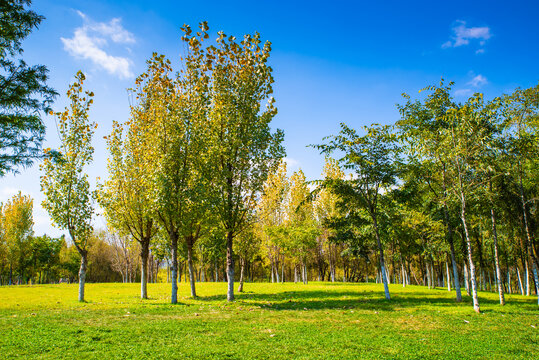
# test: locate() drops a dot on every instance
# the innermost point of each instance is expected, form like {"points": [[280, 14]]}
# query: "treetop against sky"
{"points": [[344, 62]]}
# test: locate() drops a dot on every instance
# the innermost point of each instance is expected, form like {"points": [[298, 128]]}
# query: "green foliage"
{"points": [[25, 97], [64, 183]]}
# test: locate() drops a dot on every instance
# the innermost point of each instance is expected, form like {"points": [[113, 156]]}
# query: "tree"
{"points": [[242, 149], [17, 223], [68, 199], [24, 95], [466, 134], [327, 209], [424, 128], [271, 211], [373, 159], [301, 227], [521, 124], [127, 194]]}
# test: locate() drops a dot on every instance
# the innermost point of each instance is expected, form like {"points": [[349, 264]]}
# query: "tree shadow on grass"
{"points": [[346, 299]]}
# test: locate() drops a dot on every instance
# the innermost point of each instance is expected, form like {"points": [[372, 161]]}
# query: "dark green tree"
{"points": [[24, 95]]}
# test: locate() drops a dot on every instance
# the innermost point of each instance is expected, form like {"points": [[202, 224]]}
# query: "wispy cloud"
{"points": [[89, 40], [463, 92], [462, 35], [478, 81]]}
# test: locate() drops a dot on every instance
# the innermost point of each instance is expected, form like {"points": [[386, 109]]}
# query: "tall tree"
{"points": [[327, 210], [424, 128], [522, 125], [467, 132], [68, 198], [127, 194], [302, 228], [24, 95], [242, 148], [373, 159], [271, 211]]}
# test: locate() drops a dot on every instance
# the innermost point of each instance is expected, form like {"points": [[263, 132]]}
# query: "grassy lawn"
{"points": [[268, 321]]}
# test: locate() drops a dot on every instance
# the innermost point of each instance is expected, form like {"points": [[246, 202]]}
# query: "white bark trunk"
{"points": [[520, 282], [82, 275]]}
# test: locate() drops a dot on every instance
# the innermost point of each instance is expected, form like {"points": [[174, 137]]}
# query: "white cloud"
{"points": [[478, 81], [89, 40], [291, 163], [462, 35], [463, 92]]}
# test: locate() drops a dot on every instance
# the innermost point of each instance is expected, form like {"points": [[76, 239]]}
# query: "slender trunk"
{"points": [[230, 266], [82, 273], [520, 282], [509, 282], [144, 253], [470, 259], [10, 274], [295, 274], [448, 276], [381, 250], [174, 269], [496, 257], [527, 278], [467, 237], [242, 267], [466, 279], [282, 270], [428, 275], [189, 242], [449, 237]]}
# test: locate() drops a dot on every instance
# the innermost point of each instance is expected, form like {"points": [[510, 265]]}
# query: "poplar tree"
{"points": [[126, 196], [242, 149], [68, 198]]}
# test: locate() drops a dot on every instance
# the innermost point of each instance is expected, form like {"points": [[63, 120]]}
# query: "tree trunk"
{"points": [[189, 242], [144, 253], [448, 276], [282, 271], [230, 266], [520, 281], [449, 237], [381, 250], [527, 277], [82, 273], [470, 259], [496, 257], [174, 268], [242, 268]]}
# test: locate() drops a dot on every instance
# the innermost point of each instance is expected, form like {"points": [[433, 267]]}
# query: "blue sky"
{"points": [[341, 61]]}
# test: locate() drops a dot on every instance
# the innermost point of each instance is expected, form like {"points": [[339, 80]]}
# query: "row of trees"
{"points": [[195, 151], [26, 258]]}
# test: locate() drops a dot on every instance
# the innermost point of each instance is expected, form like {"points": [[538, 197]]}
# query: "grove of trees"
{"points": [[197, 186]]}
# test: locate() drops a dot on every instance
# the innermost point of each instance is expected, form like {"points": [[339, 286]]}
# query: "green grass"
{"points": [[268, 321]]}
